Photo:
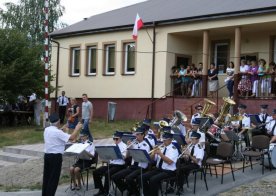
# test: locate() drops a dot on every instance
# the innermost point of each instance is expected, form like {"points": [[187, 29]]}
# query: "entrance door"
{"points": [[183, 60], [221, 51]]}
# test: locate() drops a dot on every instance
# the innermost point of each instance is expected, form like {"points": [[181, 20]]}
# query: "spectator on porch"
{"points": [[195, 84], [272, 66], [184, 74], [266, 79], [213, 80], [245, 84], [253, 71], [230, 79]]}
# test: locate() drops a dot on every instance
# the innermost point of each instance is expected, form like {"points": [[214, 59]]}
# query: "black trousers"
{"points": [[103, 171], [125, 179], [152, 179], [61, 113], [184, 171], [51, 173]]}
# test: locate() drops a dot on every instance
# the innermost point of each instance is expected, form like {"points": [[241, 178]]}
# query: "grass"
{"points": [[18, 135]]}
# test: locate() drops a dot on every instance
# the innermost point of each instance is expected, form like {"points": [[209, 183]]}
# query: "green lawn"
{"points": [[18, 135]]}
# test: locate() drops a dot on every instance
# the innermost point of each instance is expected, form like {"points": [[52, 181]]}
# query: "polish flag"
{"points": [[137, 25]]}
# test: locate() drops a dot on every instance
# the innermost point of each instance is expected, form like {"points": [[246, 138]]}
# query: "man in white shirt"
{"points": [[271, 128], [62, 104], [87, 115], [198, 109], [114, 167], [55, 140]]}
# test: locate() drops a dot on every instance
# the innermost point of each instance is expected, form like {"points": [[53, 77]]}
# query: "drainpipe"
{"points": [[57, 72], [153, 73]]}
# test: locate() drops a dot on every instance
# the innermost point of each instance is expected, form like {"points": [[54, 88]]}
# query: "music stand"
{"points": [[232, 135], [107, 153], [139, 155], [254, 118]]}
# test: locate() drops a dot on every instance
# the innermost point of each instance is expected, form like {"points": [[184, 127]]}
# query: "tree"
{"points": [[28, 16], [21, 68]]}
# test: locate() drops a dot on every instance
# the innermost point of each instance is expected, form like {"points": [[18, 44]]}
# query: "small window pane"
{"points": [[92, 60], [75, 64], [110, 59], [129, 58]]}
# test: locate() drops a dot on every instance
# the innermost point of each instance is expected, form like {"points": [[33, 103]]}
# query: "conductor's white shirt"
{"points": [[55, 140]]}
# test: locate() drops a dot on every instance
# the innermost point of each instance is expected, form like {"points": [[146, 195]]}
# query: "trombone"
{"points": [[185, 150], [155, 148]]}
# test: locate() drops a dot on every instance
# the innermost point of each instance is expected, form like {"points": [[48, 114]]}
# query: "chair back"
{"points": [[260, 142], [95, 159], [225, 150], [207, 149]]}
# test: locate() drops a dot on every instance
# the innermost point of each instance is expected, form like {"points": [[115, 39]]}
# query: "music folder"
{"points": [[139, 155], [254, 118], [107, 153], [206, 121]]}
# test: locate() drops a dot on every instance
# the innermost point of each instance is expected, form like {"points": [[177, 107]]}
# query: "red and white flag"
{"points": [[137, 25]]}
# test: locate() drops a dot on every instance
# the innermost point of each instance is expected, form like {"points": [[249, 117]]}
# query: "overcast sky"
{"points": [[76, 10]]}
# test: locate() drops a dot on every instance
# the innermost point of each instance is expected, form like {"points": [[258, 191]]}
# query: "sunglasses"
{"points": [[115, 139]]}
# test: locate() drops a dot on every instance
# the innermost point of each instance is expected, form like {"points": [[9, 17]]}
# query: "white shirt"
{"points": [[150, 140], [198, 153], [172, 154], [65, 101], [142, 146], [55, 140], [244, 69], [194, 116], [245, 121], [87, 108], [262, 117], [202, 138], [32, 97], [182, 129], [270, 126], [123, 148]]}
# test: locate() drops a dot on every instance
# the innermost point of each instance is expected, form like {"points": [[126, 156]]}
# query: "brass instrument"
{"points": [[206, 108], [178, 118], [128, 146], [185, 149], [155, 148], [225, 109], [163, 123], [132, 129]]}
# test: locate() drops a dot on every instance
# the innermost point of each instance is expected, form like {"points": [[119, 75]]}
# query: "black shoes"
{"points": [[170, 190], [100, 193]]}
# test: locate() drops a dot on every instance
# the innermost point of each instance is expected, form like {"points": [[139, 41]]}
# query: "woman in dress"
{"points": [[212, 79], [245, 84], [73, 112], [272, 69], [253, 71]]}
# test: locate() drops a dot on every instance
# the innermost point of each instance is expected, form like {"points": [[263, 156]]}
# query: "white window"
{"points": [[75, 61], [221, 56], [109, 59], [92, 60], [129, 58]]}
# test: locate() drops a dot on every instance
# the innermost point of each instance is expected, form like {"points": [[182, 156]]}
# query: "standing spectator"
{"points": [[87, 115], [35, 104], [245, 84], [74, 112], [230, 79], [213, 79], [273, 78], [195, 84], [55, 140], [253, 71], [62, 104], [266, 80]]}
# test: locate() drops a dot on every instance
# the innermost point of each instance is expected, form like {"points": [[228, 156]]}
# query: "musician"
{"points": [[114, 166], [55, 140], [125, 179], [81, 163], [148, 138], [264, 118], [195, 128], [240, 126], [192, 159], [271, 128], [146, 123], [166, 158], [182, 128], [198, 109]]}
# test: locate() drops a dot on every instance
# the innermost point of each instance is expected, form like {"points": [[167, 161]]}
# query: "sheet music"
{"points": [[77, 148]]}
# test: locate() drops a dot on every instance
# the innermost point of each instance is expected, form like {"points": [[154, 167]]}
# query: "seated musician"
{"points": [[198, 109], [81, 164], [146, 123], [148, 138], [271, 128], [195, 128], [114, 166], [125, 179], [191, 159], [240, 126], [264, 118], [166, 157]]}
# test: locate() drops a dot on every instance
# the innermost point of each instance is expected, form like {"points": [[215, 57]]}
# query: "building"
{"points": [[99, 57]]}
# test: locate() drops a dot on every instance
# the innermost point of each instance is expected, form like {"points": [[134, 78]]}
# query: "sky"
{"points": [[76, 10]]}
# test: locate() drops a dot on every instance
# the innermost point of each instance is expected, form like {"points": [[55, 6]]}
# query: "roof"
{"points": [[164, 11]]}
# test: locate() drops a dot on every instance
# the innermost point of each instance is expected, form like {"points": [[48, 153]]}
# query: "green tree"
{"points": [[21, 68], [28, 16]]}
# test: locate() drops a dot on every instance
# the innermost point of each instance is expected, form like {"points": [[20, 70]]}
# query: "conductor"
{"points": [[55, 140]]}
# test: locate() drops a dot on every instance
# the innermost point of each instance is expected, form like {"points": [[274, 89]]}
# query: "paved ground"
{"points": [[251, 182]]}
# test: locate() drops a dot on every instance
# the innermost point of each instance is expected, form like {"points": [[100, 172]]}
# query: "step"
{"points": [[24, 151], [6, 163], [11, 157]]}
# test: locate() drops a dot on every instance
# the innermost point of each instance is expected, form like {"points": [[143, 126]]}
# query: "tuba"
{"points": [[225, 109], [178, 118], [206, 108]]}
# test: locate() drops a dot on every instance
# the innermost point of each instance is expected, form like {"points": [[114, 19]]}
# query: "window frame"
{"points": [[88, 59], [72, 60], [213, 58], [125, 58], [106, 47]]}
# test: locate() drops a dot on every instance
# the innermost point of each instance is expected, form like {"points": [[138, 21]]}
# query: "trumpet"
{"points": [[133, 142], [185, 150], [155, 148]]}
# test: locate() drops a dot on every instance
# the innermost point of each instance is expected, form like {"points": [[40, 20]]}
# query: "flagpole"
{"points": [[153, 72]]}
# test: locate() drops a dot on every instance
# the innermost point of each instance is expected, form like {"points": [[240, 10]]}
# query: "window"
{"points": [[221, 51], [129, 58], [91, 60], [109, 59], [75, 61]]}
